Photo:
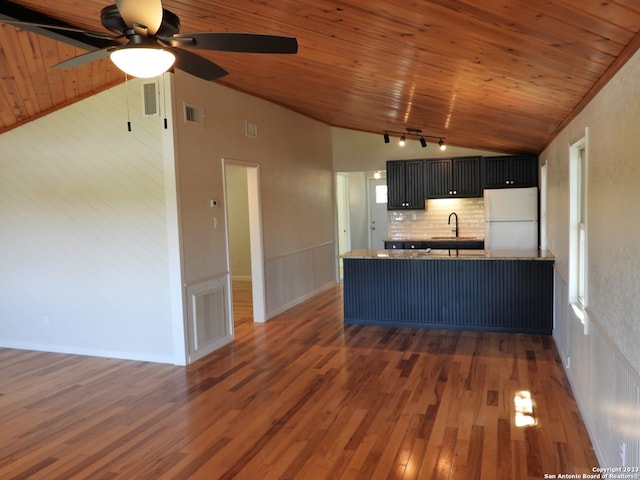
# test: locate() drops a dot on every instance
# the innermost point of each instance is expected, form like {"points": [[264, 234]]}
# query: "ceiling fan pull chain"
{"points": [[126, 87], [164, 100]]}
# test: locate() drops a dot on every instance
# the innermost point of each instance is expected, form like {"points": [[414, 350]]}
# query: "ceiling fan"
{"points": [[154, 43]]}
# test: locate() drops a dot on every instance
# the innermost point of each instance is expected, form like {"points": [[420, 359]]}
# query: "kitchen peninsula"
{"points": [[503, 291]]}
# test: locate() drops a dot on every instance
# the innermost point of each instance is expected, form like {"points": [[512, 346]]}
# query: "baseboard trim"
{"points": [[299, 300], [91, 352]]}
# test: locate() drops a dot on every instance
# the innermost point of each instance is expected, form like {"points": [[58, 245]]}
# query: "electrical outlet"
{"points": [[46, 320], [623, 453]]}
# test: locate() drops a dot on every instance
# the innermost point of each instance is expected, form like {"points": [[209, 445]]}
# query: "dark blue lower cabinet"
{"points": [[465, 294]]}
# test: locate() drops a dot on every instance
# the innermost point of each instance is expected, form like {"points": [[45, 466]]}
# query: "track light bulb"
{"points": [[386, 137], [402, 141], [423, 142], [443, 147]]}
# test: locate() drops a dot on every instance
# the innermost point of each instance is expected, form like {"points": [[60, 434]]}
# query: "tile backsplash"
{"points": [[432, 222]]}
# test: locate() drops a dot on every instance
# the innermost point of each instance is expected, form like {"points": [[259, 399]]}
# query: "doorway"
{"points": [[245, 256], [361, 202], [344, 236], [344, 222]]}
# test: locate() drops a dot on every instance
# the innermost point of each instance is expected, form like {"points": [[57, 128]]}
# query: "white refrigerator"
{"points": [[511, 218]]}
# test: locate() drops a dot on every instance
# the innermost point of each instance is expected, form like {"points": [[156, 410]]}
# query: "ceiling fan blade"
{"points": [[89, 33], [146, 13], [85, 58], [235, 42], [197, 65]]}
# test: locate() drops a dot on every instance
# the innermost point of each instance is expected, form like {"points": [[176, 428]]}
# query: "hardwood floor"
{"points": [[300, 397]]}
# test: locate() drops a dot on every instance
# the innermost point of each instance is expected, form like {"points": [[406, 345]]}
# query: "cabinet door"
{"points": [[405, 185], [395, 185], [524, 171], [497, 172], [466, 177], [438, 178], [414, 184]]}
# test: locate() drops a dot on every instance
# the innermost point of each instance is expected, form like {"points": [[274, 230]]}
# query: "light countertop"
{"points": [[416, 238], [431, 254]]}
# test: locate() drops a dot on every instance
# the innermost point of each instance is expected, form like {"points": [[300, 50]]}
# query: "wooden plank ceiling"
{"points": [[500, 75]]}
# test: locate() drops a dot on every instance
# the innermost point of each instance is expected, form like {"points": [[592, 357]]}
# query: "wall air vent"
{"points": [[150, 99], [251, 129], [193, 114], [210, 324]]}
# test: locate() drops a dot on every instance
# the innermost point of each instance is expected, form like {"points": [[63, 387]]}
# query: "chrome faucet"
{"points": [[449, 222]]}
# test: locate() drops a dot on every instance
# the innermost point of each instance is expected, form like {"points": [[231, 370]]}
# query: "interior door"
{"points": [[377, 212]]}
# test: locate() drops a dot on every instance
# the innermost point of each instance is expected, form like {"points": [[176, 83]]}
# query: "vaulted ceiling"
{"points": [[499, 75]]}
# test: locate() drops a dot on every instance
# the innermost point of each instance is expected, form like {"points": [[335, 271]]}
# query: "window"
{"points": [[581, 264], [578, 224], [381, 194]]}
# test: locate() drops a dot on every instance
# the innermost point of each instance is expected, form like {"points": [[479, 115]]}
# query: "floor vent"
{"points": [[150, 99], [193, 114]]}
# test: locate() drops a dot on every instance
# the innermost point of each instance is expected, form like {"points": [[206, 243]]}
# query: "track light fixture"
{"points": [[414, 132]]}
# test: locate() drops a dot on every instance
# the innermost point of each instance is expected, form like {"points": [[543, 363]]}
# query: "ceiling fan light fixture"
{"points": [[143, 61]]}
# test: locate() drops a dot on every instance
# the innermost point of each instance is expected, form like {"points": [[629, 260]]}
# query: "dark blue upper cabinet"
{"points": [[453, 177], [405, 185], [511, 171]]}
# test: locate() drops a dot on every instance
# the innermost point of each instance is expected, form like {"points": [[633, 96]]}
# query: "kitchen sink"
{"points": [[455, 238], [455, 243]]}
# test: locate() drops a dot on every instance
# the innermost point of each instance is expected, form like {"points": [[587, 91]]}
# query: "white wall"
{"points": [[364, 152], [85, 229], [613, 236], [296, 185], [102, 232]]}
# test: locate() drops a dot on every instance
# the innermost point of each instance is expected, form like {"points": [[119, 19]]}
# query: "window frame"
{"points": [[578, 226]]}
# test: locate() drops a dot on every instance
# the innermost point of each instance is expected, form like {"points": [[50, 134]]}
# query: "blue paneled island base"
{"points": [[488, 291]]}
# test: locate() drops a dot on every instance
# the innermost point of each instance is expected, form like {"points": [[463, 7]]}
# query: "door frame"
{"points": [[344, 222], [370, 191], [255, 235]]}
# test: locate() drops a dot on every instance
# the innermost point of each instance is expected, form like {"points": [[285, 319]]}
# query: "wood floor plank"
{"points": [[300, 397]]}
